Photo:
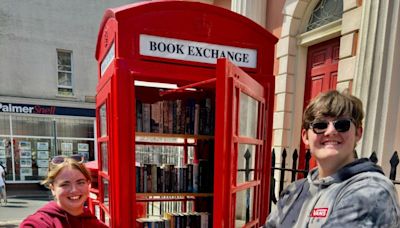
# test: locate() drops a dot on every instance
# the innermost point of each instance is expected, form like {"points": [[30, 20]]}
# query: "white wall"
{"points": [[30, 34]]}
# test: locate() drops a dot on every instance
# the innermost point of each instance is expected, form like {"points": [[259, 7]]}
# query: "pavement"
{"points": [[21, 203]]}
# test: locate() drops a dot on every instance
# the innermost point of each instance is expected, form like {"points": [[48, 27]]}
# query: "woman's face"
{"points": [[70, 190]]}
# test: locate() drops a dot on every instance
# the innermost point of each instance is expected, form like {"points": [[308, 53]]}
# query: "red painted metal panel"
{"points": [[231, 81]]}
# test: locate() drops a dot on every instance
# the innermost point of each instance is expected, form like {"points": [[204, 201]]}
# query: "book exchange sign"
{"points": [[163, 47]]}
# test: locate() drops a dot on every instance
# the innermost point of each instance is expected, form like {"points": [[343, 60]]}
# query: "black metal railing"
{"points": [[300, 173]]}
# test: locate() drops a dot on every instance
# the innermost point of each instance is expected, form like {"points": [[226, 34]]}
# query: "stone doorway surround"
{"points": [[292, 57]]}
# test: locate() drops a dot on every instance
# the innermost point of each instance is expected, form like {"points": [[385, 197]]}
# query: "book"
{"points": [[148, 181], [139, 118], [156, 117], [165, 111], [196, 119], [195, 180], [154, 178], [146, 117], [189, 177]]}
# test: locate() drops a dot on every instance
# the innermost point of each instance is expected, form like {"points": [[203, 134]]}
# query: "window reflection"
{"points": [[6, 157], [104, 157], [4, 125], [103, 121], [244, 207], [27, 143], [75, 128], [325, 12], [31, 157], [106, 199], [248, 116], [246, 163], [23, 125]]}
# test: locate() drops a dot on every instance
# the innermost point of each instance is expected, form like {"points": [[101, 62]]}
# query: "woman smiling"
{"points": [[69, 182]]}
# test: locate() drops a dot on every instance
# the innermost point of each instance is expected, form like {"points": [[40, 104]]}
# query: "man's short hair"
{"points": [[334, 104]]}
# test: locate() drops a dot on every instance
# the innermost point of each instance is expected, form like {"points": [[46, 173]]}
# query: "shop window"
{"points": [[35, 140], [4, 125], [325, 12], [64, 70], [36, 126], [5, 156], [75, 128], [31, 157], [67, 147]]}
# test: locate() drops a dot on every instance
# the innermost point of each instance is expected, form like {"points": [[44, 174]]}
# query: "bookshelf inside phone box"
{"points": [[183, 139]]}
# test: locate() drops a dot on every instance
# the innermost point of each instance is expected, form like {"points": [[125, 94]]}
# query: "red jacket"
{"points": [[52, 216]]}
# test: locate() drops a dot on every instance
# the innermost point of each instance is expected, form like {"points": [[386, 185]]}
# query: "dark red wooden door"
{"points": [[321, 75]]}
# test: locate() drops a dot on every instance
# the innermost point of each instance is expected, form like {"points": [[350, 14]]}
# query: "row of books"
{"points": [[191, 178], [176, 116], [167, 154], [160, 154], [177, 220]]}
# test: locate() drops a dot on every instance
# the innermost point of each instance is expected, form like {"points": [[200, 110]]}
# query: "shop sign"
{"points": [[188, 50], [45, 110]]}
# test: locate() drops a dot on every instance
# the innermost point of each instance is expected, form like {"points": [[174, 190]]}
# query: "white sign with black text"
{"points": [[188, 50]]}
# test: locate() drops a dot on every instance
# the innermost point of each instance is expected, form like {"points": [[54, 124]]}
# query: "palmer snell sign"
{"points": [[46, 110], [187, 50]]}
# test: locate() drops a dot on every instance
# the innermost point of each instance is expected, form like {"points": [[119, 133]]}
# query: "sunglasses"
{"points": [[341, 125], [61, 158]]}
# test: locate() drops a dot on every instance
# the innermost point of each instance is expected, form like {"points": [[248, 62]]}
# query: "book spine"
{"points": [[196, 119], [155, 117], [153, 178], [160, 179], [148, 178], [195, 178], [178, 118], [171, 116], [137, 178], [179, 179], [184, 180], [146, 117], [174, 117], [165, 117], [139, 116], [204, 220], [144, 179], [189, 177]]}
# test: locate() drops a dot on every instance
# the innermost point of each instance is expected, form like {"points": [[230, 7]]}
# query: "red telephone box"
{"points": [[196, 150]]}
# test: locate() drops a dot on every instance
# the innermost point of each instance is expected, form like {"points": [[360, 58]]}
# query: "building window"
{"points": [[27, 143], [64, 68], [325, 12]]}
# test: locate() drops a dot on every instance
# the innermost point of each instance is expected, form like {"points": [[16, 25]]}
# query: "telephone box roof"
{"points": [[232, 20]]}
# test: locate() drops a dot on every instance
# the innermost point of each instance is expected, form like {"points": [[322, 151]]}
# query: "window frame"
{"points": [[70, 87]]}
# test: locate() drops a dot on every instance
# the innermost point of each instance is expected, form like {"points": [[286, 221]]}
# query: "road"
{"points": [[19, 208]]}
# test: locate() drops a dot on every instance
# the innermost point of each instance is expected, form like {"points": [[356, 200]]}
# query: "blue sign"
{"points": [[46, 110]]}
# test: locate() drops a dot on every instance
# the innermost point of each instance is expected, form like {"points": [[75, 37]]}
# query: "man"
{"points": [[3, 194], [341, 191]]}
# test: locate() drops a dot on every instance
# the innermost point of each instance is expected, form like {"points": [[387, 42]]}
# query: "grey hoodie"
{"points": [[358, 195]]}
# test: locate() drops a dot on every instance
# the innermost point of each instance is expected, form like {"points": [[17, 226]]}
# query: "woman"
{"points": [[69, 183]]}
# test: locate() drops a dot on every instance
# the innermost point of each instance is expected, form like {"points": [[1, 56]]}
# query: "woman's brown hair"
{"points": [[55, 169]]}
